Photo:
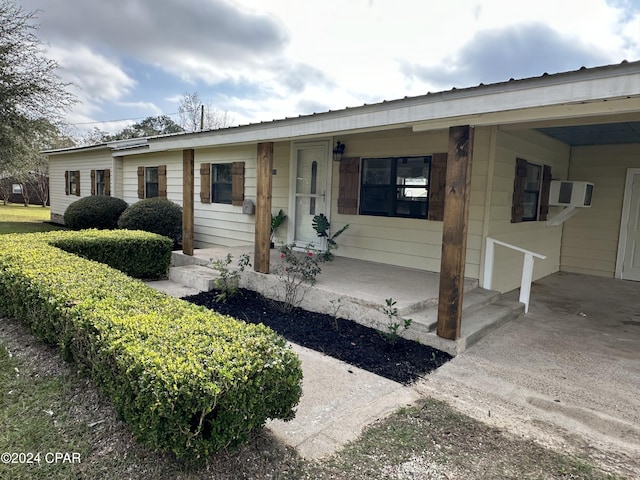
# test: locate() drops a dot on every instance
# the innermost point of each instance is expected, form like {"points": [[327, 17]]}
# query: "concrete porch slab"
{"points": [[567, 374], [355, 290]]}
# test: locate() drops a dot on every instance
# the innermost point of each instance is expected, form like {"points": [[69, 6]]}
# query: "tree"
{"points": [[32, 172], [196, 116], [30, 89], [149, 127]]}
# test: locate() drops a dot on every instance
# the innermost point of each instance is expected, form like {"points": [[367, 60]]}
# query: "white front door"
{"points": [[311, 170], [631, 229]]}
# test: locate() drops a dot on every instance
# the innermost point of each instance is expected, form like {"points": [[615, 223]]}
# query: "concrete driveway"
{"points": [[566, 374]]}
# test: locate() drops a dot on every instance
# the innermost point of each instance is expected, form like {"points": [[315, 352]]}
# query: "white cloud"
{"points": [[265, 59], [95, 78]]}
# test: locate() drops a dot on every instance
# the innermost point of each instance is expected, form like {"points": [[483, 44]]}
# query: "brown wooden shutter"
{"points": [[544, 192], [162, 181], [93, 182], [140, 182], [348, 186], [437, 186], [205, 182], [77, 183], [66, 182], [237, 183], [517, 205], [107, 182]]}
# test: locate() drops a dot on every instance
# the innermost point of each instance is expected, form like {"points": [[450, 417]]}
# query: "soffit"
{"points": [[597, 134]]}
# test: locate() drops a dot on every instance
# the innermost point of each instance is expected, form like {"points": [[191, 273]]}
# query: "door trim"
{"points": [[295, 147], [624, 220]]}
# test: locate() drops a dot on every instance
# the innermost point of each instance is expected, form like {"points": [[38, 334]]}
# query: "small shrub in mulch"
{"points": [[403, 361]]}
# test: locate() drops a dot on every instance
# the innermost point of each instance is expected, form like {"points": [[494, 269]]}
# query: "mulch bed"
{"points": [[361, 346]]}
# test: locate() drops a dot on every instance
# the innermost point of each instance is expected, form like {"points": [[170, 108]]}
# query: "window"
{"points": [[395, 187], [100, 182], [72, 182], [221, 184], [150, 182], [16, 189], [530, 192]]}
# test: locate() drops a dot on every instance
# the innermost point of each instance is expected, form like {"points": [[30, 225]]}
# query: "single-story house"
{"points": [[426, 182]]}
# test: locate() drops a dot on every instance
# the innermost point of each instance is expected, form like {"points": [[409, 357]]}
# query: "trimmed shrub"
{"points": [[136, 253], [157, 215], [96, 211], [185, 379]]}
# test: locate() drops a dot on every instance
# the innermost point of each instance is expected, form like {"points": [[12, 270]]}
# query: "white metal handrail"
{"points": [[527, 268]]}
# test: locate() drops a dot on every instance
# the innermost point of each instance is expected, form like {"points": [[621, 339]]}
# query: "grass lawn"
{"points": [[48, 407], [16, 218]]}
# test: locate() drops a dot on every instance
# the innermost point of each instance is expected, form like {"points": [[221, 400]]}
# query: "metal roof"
{"points": [[473, 105]]}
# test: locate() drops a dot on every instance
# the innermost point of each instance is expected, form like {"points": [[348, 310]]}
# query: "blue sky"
{"points": [[260, 60]]}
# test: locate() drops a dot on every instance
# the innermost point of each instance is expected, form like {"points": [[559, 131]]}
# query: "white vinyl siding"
{"points": [[280, 187], [536, 236], [172, 160], [590, 240], [219, 223], [415, 243], [74, 161]]}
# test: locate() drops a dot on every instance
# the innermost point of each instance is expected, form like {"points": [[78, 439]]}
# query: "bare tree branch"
{"points": [[30, 88], [195, 115]]}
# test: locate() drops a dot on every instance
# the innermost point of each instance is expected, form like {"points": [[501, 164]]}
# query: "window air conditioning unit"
{"points": [[564, 193]]}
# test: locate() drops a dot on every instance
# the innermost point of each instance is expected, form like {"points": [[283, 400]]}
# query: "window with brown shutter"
{"points": [[152, 182], [348, 186], [395, 186], [237, 183], [437, 186], [66, 182], [99, 182], [205, 182], [531, 188]]}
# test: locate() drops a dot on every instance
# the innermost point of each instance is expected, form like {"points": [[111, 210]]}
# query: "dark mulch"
{"points": [[350, 342]]}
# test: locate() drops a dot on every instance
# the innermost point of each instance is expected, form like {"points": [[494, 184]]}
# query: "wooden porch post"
{"points": [[187, 201], [454, 231], [263, 207]]}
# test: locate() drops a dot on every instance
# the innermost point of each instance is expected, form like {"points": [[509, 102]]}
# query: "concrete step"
{"points": [[194, 276], [425, 320], [488, 318]]}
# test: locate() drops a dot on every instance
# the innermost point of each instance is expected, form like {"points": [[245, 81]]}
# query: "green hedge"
{"points": [[136, 253], [157, 215], [185, 379], [95, 211]]}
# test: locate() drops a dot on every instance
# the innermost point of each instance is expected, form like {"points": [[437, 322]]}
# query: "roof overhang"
{"points": [[601, 92]]}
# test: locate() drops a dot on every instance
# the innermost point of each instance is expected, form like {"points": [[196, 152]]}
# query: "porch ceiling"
{"points": [[598, 134]]}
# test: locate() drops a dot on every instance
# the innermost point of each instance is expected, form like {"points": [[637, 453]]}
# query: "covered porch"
{"points": [[357, 289]]}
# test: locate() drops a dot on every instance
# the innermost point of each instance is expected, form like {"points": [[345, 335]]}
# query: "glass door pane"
{"points": [[310, 195]]}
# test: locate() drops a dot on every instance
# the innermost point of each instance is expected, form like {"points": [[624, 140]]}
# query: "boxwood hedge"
{"points": [[136, 253], [185, 379]]}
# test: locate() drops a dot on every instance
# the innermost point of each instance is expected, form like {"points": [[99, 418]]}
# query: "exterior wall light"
{"points": [[338, 151]]}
